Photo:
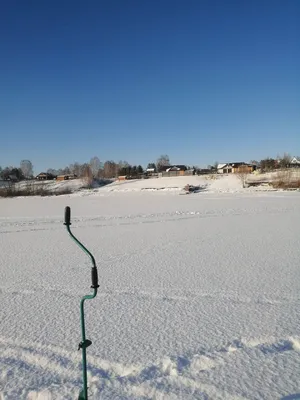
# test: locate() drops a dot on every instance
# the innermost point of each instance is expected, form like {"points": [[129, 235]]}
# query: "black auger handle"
{"points": [[94, 278], [67, 216]]}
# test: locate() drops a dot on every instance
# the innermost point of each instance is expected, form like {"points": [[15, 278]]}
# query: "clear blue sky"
{"points": [[201, 81]]}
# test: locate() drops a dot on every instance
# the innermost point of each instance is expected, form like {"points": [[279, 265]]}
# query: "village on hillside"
{"points": [[162, 168], [279, 173]]}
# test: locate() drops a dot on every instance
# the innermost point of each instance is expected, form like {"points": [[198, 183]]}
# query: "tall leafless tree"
{"points": [[95, 166], [52, 171], [75, 169], [110, 169], [87, 176], [162, 161], [26, 168], [285, 160]]}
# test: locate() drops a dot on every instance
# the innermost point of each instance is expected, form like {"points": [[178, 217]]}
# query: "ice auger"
{"points": [[83, 395]]}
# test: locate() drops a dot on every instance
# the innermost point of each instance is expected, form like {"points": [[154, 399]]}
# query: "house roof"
{"points": [[232, 164], [183, 167], [220, 166], [174, 167], [236, 164], [295, 160], [13, 177], [47, 174]]}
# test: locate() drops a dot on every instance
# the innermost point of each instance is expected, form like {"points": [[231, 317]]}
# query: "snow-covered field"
{"points": [[199, 295]]}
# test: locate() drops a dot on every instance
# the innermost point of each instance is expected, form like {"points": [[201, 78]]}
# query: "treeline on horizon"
{"points": [[109, 169]]}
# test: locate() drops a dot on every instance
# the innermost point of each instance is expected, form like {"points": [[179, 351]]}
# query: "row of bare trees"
{"points": [[94, 169], [25, 171]]}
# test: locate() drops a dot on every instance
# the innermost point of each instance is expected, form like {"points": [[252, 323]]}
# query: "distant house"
{"points": [[171, 168], [150, 171], [294, 163], [66, 177], [44, 176], [12, 178], [221, 168], [175, 170], [235, 168]]}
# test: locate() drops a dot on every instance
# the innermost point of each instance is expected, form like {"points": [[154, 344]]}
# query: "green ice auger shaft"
{"points": [[84, 342]]}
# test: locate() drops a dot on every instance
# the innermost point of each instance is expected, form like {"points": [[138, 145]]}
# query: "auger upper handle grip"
{"points": [[95, 284], [67, 216]]}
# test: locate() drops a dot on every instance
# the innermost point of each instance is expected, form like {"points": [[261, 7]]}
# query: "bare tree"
{"points": [[66, 171], [59, 171], [87, 176], [162, 161], [268, 164], [242, 174], [75, 169], [95, 165], [26, 168], [52, 171], [71, 168], [285, 160], [123, 164], [110, 169]]}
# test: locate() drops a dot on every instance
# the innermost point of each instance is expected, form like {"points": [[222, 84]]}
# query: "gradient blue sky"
{"points": [[201, 81]]}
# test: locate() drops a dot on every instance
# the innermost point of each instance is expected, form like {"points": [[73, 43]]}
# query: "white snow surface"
{"points": [[211, 183], [198, 298]]}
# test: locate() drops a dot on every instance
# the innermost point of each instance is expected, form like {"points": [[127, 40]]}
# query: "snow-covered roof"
{"points": [[173, 169], [220, 166], [295, 160]]}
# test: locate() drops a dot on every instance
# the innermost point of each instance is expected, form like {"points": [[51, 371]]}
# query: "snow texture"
{"points": [[198, 297]]}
